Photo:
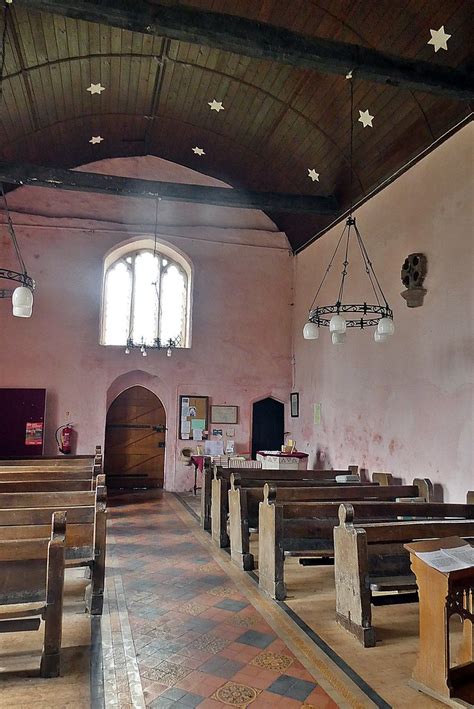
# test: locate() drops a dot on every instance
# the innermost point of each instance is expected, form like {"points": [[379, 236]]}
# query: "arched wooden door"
{"points": [[135, 435]]}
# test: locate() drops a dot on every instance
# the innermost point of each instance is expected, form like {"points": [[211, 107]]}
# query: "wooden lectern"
{"points": [[442, 595]]}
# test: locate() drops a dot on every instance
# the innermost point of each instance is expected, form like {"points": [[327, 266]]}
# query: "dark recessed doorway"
{"points": [[268, 425]]}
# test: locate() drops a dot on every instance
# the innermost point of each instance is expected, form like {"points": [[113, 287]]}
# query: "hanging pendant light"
{"points": [[22, 295], [340, 316]]}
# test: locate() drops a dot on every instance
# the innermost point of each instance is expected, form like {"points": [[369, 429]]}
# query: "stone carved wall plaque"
{"points": [[413, 275]]}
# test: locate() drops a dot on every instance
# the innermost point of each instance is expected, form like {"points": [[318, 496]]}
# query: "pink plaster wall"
{"points": [[405, 406], [241, 307]]}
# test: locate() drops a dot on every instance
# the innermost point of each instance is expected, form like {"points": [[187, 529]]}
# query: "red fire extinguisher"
{"points": [[64, 438]]}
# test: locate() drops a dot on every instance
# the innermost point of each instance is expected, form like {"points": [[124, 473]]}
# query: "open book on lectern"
{"points": [[452, 559]]}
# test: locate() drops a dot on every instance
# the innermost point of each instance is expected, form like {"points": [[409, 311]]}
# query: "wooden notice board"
{"points": [[193, 417]]}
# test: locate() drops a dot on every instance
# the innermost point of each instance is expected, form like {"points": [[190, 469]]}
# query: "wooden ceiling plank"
{"points": [[59, 178], [240, 35]]}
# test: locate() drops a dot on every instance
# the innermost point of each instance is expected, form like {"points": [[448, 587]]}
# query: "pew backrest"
{"points": [[24, 563], [20, 486]]}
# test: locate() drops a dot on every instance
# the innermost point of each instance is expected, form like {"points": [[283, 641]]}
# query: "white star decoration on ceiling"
{"points": [[216, 105], [96, 139], [439, 39], [313, 174], [96, 88], [365, 118], [198, 151]]}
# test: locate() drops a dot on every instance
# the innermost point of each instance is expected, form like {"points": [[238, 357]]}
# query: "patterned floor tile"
{"points": [[236, 695], [272, 661], [167, 673], [197, 640]]}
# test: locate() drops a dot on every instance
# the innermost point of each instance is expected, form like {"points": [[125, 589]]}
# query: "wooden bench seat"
{"points": [[256, 478], [25, 516], [244, 497], [367, 553], [33, 576]]}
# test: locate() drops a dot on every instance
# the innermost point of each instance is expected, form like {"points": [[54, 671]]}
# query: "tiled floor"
{"points": [[197, 640]]}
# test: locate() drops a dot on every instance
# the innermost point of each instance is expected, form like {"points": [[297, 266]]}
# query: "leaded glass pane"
{"points": [[145, 298], [117, 300], [173, 305]]}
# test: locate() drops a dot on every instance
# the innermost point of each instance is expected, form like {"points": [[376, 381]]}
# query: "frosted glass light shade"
{"points": [[338, 338], [379, 337], [337, 324], [22, 302], [310, 331], [385, 326]]}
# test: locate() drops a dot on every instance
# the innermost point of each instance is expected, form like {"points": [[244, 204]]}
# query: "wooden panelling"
{"points": [[278, 121]]}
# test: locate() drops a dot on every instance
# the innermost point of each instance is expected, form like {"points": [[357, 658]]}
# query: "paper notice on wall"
{"points": [[214, 448], [185, 436], [185, 426], [197, 434], [317, 414], [34, 434], [198, 424]]}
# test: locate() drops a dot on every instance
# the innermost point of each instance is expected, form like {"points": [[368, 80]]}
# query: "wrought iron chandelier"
{"points": [[361, 315], [22, 295], [169, 346]]}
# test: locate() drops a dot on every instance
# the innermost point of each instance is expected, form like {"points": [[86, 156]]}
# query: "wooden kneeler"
{"points": [[33, 570]]}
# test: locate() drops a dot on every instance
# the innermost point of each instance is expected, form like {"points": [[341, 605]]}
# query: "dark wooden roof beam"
{"points": [[263, 41], [59, 178]]}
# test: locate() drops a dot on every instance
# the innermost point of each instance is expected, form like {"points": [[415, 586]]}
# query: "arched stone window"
{"points": [[146, 296]]}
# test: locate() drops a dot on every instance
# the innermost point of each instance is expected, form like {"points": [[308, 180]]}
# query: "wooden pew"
{"points": [[221, 485], [33, 574], [371, 557], [206, 486], [289, 524], [245, 495], [24, 515]]}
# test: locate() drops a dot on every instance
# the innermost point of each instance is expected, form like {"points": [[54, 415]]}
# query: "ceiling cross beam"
{"points": [[263, 41], [62, 179]]}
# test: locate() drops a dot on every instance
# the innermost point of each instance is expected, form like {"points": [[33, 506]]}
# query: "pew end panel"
{"points": [[53, 615], [206, 497], [382, 478], [95, 592], [351, 573], [270, 554], [219, 490], [425, 488], [239, 532]]}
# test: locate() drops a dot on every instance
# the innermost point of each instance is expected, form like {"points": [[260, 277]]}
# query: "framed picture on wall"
{"points": [[295, 404], [193, 417], [224, 414]]}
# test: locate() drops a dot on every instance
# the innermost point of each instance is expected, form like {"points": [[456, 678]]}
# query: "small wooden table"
{"points": [[198, 462]]}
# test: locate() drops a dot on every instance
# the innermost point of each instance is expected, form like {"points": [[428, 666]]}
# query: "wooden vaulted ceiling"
{"points": [[279, 120]]}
